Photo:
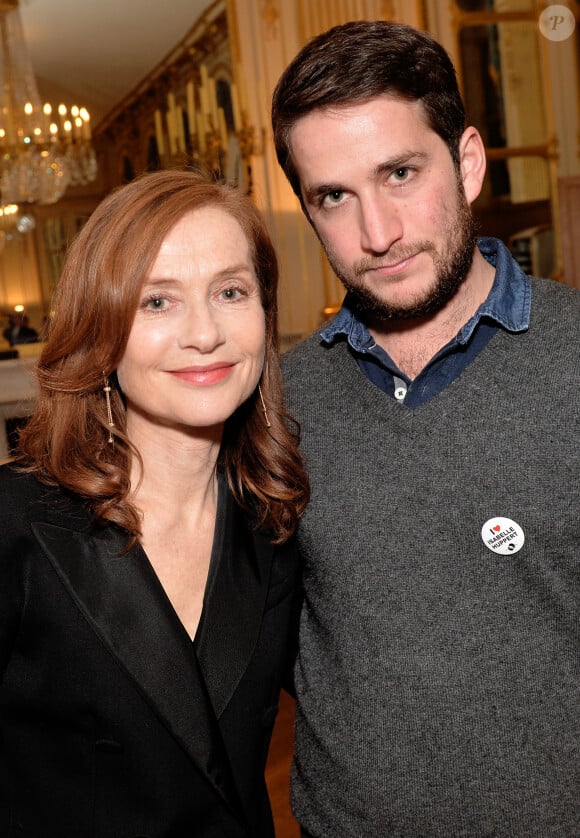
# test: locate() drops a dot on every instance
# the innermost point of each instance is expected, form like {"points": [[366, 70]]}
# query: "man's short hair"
{"points": [[358, 61]]}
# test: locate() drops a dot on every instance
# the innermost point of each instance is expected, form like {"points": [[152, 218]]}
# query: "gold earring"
{"points": [[264, 408], [107, 389]]}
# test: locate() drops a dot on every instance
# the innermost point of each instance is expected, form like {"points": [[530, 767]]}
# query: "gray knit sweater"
{"points": [[439, 679]]}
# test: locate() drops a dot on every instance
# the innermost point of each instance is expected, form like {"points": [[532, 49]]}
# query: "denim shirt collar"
{"points": [[508, 303]]}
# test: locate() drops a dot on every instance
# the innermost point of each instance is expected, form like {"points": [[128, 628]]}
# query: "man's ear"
{"points": [[472, 162]]}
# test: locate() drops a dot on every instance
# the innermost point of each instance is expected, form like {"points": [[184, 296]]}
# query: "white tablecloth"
{"points": [[18, 391]]}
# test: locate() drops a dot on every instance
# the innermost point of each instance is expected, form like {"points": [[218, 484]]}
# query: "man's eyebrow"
{"points": [[319, 190], [402, 159]]}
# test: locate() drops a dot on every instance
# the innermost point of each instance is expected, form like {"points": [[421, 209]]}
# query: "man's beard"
{"points": [[451, 269]]}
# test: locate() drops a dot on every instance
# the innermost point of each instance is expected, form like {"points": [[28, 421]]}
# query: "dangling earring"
{"points": [[264, 408], [107, 389]]}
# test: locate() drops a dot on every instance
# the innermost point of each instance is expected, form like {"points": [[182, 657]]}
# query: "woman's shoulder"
{"points": [[17, 483], [19, 494], [23, 496]]}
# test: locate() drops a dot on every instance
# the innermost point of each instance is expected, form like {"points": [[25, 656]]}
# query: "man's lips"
{"points": [[203, 375], [394, 262], [392, 268]]}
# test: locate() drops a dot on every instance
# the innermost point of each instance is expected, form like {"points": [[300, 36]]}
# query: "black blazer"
{"points": [[113, 724]]}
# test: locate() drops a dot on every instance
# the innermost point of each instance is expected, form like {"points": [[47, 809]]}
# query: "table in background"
{"points": [[18, 391]]}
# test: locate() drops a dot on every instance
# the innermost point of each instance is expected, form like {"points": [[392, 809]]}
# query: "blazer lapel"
{"points": [[234, 602], [123, 600]]}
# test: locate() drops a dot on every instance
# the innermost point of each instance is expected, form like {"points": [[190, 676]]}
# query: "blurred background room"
{"points": [[93, 94]]}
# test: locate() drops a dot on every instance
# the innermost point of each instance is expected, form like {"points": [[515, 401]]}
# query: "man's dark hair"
{"points": [[358, 61]]}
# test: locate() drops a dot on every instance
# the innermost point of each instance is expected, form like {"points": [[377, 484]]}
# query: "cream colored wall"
{"points": [[19, 277], [556, 92], [559, 85], [265, 37], [564, 66]]}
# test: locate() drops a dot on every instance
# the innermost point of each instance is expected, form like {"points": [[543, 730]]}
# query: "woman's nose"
{"points": [[200, 329]]}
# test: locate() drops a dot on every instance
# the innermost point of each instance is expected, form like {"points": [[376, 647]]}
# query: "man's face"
{"points": [[387, 203]]}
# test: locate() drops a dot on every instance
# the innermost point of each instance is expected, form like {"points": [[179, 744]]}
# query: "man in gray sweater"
{"points": [[438, 678]]}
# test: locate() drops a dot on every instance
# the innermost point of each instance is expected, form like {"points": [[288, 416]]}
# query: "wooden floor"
{"points": [[278, 770]]}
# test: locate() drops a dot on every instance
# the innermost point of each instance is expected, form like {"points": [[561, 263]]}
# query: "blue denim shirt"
{"points": [[507, 306]]}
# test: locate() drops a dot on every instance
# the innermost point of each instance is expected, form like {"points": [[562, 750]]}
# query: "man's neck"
{"points": [[412, 343]]}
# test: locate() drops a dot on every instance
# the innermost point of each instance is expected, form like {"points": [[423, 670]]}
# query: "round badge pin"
{"points": [[503, 536]]}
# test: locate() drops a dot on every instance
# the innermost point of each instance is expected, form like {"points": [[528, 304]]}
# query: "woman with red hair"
{"points": [[147, 572]]}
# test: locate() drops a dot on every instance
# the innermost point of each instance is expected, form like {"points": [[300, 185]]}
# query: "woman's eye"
{"points": [[156, 304], [232, 293]]}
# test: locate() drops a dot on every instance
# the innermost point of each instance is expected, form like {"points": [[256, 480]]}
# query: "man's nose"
{"points": [[381, 224]]}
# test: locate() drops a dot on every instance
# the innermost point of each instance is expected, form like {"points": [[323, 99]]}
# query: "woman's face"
{"points": [[196, 347]]}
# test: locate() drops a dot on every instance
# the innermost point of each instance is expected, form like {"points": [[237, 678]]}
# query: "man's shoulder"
{"points": [[305, 344], [309, 352], [309, 370], [555, 301], [553, 288]]}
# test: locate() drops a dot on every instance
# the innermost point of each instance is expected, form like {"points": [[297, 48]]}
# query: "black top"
{"points": [[112, 722]]}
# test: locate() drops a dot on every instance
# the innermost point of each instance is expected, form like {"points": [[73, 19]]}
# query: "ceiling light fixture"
{"points": [[42, 150]]}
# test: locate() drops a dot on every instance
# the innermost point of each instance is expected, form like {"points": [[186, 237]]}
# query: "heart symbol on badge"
{"points": [[497, 528]]}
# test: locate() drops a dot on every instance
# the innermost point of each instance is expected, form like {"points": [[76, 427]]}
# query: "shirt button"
{"points": [[400, 393]]}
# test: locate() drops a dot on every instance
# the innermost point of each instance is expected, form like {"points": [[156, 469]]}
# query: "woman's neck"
{"points": [[178, 468]]}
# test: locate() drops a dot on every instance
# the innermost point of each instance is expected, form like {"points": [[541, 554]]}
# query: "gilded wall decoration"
{"points": [[387, 10], [271, 18]]}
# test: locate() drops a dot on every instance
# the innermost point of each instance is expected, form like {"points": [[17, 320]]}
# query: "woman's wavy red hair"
{"points": [[66, 440]]}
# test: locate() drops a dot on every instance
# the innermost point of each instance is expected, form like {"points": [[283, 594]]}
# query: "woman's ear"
{"points": [[472, 163]]}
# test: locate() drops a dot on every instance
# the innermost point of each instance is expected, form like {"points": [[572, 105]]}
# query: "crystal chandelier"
{"points": [[41, 151]]}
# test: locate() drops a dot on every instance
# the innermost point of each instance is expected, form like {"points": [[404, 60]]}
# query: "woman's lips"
{"points": [[203, 375]]}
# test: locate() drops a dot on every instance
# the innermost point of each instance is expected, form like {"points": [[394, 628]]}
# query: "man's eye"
{"points": [[334, 197], [402, 173]]}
